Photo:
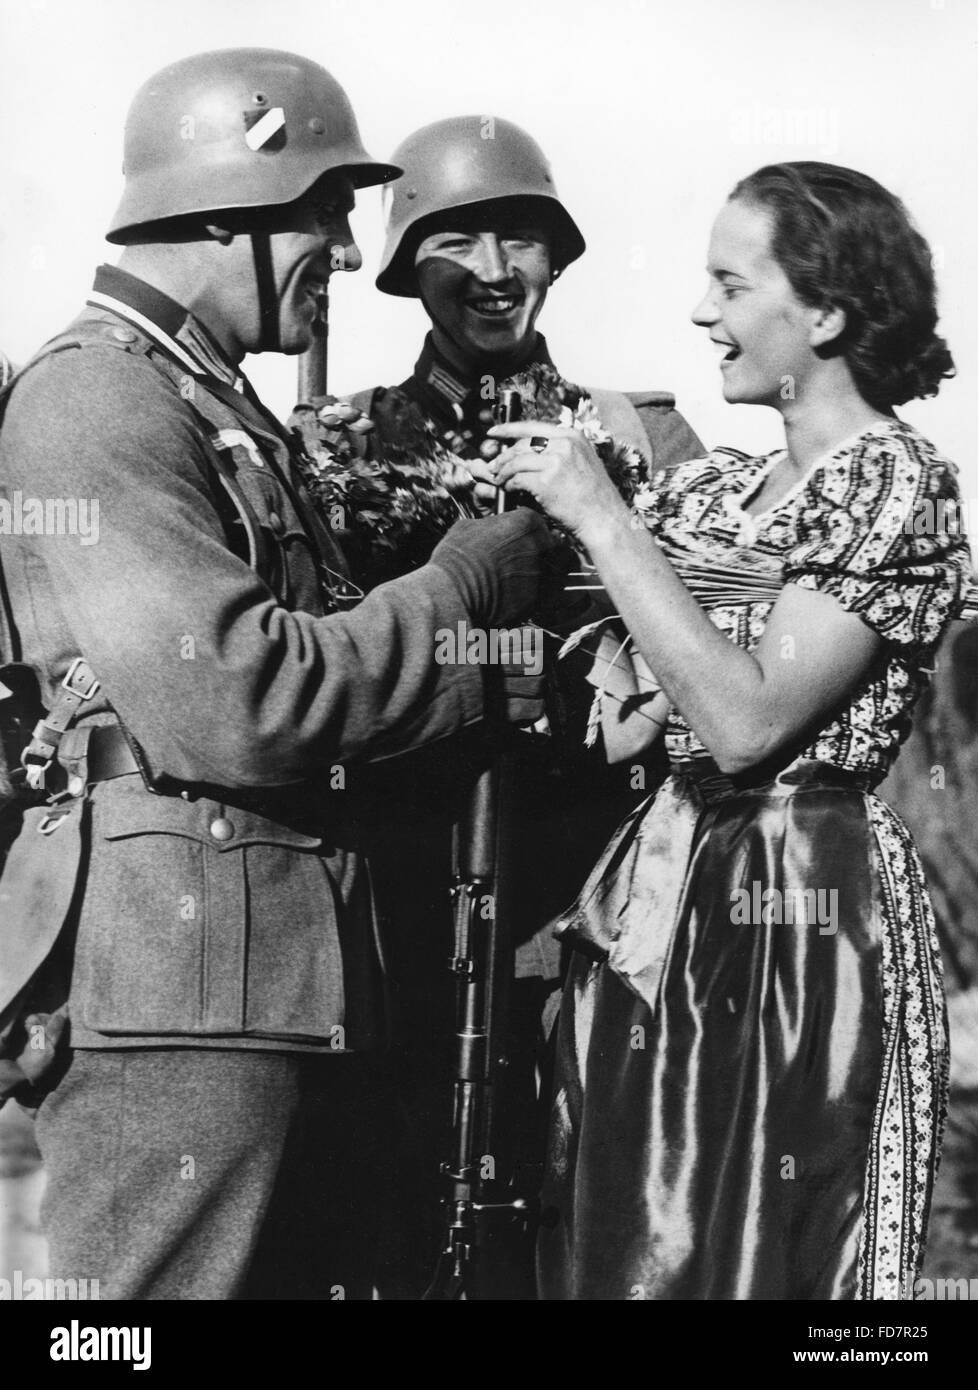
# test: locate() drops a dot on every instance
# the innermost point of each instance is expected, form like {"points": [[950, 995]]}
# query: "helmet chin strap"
{"points": [[268, 302]]}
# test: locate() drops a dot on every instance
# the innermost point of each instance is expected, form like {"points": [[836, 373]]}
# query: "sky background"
{"points": [[649, 112]]}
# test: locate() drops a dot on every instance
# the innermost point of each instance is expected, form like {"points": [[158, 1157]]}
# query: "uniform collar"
{"points": [[448, 394], [168, 323]]}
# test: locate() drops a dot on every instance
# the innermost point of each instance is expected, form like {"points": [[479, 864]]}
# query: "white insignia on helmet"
{"points": [[263, 130]]}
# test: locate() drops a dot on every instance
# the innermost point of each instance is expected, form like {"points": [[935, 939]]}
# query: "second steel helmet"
{"points": [[456, 164], [236, 128]]}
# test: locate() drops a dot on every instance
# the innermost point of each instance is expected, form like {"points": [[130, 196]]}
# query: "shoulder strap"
{"points": [[216, 417], [219, 418], [621, 419]]}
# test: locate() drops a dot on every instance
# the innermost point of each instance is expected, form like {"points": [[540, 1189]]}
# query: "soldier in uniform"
{"points": [[476, 231], [211, 699]]}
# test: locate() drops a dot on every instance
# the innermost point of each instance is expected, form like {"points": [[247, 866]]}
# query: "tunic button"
{"points": [[222, 829], [123, 335]]}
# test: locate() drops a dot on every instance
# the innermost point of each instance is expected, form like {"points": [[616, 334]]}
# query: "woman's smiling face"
{"points": [[767, 335]]}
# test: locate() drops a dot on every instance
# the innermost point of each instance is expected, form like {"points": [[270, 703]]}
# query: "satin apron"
{"points": [[750, 1084]]}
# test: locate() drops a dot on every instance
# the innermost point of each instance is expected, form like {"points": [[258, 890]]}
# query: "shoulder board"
{"points": [[94, 332], [367, 399], [381, 400], [660, 400], [85, 332], [389, 407]]}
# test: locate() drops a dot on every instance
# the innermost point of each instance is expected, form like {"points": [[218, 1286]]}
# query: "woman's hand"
{"points": [[563, 473]]}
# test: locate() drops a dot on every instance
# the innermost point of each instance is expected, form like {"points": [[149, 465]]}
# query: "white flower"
{"points": [[585, 418]]}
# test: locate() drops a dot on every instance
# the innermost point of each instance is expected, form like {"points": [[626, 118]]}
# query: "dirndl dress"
{"points": [[751, 1070]]}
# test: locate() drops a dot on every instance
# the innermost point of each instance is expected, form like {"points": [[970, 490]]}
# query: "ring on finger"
{"points": [[538, 443]]}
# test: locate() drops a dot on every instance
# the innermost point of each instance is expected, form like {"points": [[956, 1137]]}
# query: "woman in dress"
{"points": [[752, 1057]]}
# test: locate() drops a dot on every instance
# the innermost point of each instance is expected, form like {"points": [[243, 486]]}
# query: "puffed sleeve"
{"points": [[881, 529]]}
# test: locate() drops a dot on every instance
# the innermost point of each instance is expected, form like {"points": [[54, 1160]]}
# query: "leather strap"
{"points": [[79, 685], [96, 753]]}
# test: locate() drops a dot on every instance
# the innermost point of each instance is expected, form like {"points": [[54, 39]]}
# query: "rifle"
{"points": [[482, 964], [314, 362], [482, 968]]}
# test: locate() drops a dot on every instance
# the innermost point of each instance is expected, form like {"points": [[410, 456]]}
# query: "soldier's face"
{"points": [[483, 288], [317, 243]]}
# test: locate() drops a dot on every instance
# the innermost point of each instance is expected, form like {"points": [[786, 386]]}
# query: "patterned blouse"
{"points": [[876, 523]]}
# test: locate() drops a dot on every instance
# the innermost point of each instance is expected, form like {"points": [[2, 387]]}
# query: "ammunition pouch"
{"points": [[41, 856], [37, 890], [20, 708]]}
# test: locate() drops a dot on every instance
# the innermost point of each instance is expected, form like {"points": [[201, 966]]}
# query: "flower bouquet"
{"points": [[393, 503]]}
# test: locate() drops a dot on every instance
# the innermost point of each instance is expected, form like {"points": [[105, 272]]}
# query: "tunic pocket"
{"points": [[200, 918]]}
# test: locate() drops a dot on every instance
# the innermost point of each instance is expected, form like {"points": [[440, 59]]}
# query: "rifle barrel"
{"points": [[314, 362]]}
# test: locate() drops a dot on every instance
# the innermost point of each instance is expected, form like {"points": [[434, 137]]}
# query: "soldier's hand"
{"points": [[523, 690], [326, 423], [504, 566], [343, 424], [340, 415], [515, 688]]}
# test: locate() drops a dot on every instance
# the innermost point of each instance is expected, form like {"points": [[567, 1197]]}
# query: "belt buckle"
{"points": [[79, 667]]}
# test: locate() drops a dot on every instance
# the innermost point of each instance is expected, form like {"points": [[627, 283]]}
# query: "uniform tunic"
{"points": [[223, 955], [234, 690]]}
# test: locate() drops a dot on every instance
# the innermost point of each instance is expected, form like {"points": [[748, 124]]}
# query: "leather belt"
{"points": [[99, 753]]}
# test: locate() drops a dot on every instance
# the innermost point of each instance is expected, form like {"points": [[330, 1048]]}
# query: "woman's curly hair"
{"points": [[844, 241]]}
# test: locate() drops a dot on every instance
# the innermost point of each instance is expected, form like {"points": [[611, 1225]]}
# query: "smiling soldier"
{"points": [[206, 1134], [476, 231]]}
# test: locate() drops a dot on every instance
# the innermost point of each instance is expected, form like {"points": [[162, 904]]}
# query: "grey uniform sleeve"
{"points": [[215, 679]]}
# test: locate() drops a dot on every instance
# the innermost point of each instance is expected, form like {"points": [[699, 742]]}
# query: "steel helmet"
{"points": [[457, 164], [236, 128]]}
